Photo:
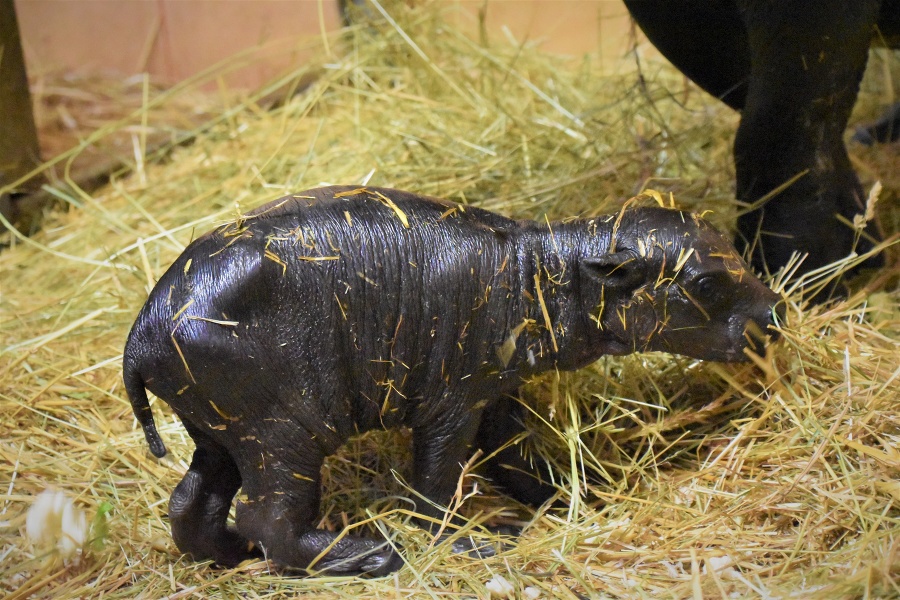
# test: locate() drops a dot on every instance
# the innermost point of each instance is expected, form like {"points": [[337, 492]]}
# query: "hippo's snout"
{"points": [[763, 327]]}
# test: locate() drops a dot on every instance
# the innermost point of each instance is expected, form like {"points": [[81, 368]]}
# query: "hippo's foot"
{"points": [[499, 539], [790, 224], [349, 555], [520, 479], [283, 531], [198, 510]]}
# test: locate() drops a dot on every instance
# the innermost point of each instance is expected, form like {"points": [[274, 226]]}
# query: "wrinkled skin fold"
{"points": [[339, 310]]}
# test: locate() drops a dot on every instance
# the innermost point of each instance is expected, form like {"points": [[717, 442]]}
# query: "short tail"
{"points": [[137, 395]]}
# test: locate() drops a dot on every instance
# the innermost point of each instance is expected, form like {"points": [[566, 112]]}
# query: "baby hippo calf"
{"points": [[337, 310]]}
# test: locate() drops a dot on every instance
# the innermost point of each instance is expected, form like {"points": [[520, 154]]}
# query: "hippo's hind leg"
{"points": [[528, 481], [279, 511], [198, 508]]}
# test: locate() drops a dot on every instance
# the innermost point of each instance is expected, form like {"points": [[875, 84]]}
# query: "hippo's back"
{"points": [[316, 292]]}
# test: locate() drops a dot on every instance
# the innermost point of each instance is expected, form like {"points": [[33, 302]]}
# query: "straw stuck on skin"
{"points": [[679, 479]]}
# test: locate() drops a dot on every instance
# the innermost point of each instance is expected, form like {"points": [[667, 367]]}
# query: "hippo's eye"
{"points": [[711, 289]]}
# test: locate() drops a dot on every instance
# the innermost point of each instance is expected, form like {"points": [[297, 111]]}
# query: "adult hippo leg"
{"points": [[806, 66], [198, 508], [794, 71]]}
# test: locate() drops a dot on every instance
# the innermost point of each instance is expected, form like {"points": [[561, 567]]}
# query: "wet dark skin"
{"points": [[793, 69], [339, 310]]}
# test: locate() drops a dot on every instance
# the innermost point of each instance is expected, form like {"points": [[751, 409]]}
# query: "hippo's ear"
{"points": [[622, 270]]}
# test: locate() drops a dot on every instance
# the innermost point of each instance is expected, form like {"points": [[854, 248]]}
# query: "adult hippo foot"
{"points": [[803, 222]]}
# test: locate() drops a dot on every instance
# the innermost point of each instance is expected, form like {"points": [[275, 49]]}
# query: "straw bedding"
{"points": [[678, 479]]}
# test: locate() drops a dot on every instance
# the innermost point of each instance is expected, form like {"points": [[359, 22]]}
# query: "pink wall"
{"points": [[170, 39], [173, 39]]}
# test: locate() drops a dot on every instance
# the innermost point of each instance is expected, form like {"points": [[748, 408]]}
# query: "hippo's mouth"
{"points": [[737, 355], [756, 338], [731, 347]]}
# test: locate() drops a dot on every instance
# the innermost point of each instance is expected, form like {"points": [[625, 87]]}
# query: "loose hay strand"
{"points": [[677, 479]]}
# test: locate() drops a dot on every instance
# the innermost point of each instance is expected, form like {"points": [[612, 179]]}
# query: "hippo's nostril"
{"points": [[762, 327], [755, 334]]}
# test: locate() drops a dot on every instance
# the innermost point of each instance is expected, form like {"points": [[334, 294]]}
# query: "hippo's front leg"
{"points": [[441, 446], [525, 480], [442, 442]]}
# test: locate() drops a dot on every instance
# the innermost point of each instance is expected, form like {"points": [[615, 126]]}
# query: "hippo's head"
{"points": [[672, 282]]}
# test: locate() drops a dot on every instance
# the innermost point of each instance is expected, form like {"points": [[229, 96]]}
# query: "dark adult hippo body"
{"points": [[339, 310], [793, 69]]}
